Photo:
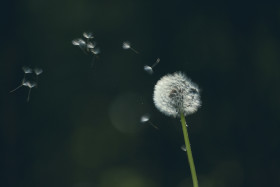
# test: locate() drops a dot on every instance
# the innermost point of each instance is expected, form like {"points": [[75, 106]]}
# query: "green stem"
{"points": [[189, 151]]}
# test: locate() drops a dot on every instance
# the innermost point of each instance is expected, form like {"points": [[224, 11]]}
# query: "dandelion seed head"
{"points": [[126, 45], [175, 93]]}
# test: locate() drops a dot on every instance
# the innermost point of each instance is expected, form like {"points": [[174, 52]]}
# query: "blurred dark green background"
{"points": [[81, 127]]}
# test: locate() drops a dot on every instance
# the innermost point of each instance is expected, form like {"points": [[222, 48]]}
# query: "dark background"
{"points": [[81, 127]]}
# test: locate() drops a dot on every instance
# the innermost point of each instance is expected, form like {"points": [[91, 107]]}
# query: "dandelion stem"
{"points": [[189, 151]]}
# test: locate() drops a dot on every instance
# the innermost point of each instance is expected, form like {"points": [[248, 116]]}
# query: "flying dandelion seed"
{"points": [[183, 148], [25, 83], [95, 51], [146, 119], [37, 72], [149, 69], [91, 45], [88, 35], [81, 44], [30, 85], [157, 61], [26, 70], [88, 46], [78, 42], [126, 45]]}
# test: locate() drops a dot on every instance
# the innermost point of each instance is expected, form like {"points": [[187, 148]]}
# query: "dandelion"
{"points": [[126, 45], [175, 95], [30, 85], [146, 119], [149, 69]]}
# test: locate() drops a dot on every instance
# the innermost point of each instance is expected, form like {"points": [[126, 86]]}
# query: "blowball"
{"points": [[175, 93]]}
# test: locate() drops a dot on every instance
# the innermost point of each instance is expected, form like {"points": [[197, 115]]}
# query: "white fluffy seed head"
{"points": [[175, 93]]}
